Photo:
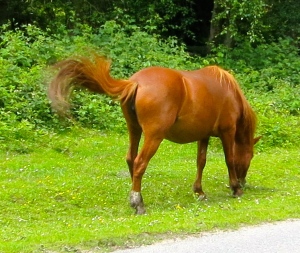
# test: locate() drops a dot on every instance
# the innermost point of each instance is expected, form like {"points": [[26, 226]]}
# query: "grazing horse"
{"points": [[162, 103]]}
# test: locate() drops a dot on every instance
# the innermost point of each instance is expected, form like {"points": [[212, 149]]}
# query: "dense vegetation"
{"points": [[268, 73], [193, 22]]}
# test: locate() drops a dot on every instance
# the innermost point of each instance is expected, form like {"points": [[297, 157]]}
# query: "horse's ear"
{"points": [[257, 139]]}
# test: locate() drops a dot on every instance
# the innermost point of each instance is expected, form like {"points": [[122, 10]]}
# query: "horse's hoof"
{"points": [[136, 202], [140, 211], [202, 197], [237, 193]]}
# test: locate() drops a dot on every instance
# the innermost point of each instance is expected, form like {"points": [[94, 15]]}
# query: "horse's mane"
{"points": [[248, 117]]}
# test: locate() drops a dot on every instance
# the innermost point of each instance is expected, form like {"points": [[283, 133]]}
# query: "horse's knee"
{"points": [[136, 202]]}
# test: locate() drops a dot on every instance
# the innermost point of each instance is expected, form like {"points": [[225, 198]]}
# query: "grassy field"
{"points": [[70, 192]]}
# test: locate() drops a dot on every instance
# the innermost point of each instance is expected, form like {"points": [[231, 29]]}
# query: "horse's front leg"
{"points": [[228, 146], [139, 167], [201, 161]]}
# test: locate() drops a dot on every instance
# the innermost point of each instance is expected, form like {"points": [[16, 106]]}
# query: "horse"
{"points": [[163, 103]]}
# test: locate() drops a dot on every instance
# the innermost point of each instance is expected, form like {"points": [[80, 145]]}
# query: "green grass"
{"points": [[71, 192]]}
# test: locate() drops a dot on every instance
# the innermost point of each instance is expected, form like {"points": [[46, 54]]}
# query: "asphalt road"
{"points": [[277, 237]]}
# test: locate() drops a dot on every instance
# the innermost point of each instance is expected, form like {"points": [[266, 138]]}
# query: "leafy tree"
{"points": [[190, 21], [283, 19], [236, 20]]}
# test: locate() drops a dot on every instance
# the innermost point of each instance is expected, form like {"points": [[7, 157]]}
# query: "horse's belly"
{"points": [[189, 131]]}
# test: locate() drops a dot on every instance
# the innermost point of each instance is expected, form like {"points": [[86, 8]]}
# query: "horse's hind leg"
{"points": [[201, 161], [139, 167], [135, 133]]}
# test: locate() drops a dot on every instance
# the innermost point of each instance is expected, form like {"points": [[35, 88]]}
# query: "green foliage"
{"points": [[267, 62], [138, 50], [278, 115], [241, 20], [283, 19], [194, 22], [162, 17], [23, 103], [167, 18], [267, 73], [97, 112]]}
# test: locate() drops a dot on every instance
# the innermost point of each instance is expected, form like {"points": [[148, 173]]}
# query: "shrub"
{"points": [[278, 114], [265, 62]]}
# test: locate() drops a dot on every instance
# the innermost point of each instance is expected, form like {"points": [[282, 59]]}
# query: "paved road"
{"points": [[281, 237]]}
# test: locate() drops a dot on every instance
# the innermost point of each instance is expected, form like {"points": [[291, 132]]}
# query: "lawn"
{"points": [[70, 192]]}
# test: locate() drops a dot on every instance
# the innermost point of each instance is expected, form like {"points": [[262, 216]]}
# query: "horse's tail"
{"points": [[92, 74]]}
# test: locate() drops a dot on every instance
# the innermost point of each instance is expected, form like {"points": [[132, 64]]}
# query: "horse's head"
{"points": [[243, 155]]}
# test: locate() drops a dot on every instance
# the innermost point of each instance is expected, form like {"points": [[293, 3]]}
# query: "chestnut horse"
{"points": [[162, 103]]}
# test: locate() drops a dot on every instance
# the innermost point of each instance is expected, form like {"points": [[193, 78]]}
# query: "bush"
{"points": [[264, 62], [278, 114]]}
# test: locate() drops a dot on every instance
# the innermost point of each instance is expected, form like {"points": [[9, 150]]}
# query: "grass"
{"points": [[69, 192]]}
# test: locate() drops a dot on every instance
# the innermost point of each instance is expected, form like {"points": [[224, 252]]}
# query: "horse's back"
{"points": [[159, 78]]}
